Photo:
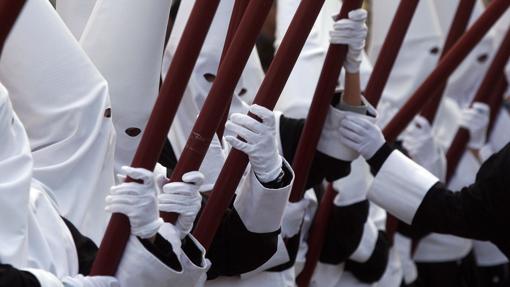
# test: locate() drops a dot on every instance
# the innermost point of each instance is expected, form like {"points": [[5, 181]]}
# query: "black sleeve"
{"points": [[373, 269], [12, 277], [323, 166], [235, 250], [344, 232], [480, 211]]}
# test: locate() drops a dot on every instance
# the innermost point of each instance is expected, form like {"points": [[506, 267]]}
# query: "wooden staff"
{"points": [[317, 236], [216, 102], [118, 231], [237, 14], [313, 126], [9, 12], [445, 68], [458, 27], [485, 91], [267, 96]]}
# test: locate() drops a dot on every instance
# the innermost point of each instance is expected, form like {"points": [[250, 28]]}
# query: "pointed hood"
{"points": [[62, 100], [75, 13]]}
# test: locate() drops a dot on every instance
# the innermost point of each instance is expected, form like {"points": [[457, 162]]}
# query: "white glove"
{"points": [[353, 33], [293, 217], [361, 135], [90, 281], [183, 198], [476, 120], [137, 201], [260, 141], [348, 196], [419, 142]]}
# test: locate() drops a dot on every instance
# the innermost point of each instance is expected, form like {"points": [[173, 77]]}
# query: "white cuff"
{"points": [[367, 244], [45, 278], [196, 275], [400, 186], [260, 208], [329, 142]]}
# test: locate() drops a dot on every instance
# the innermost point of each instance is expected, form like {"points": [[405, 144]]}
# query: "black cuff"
{"points": [[162, 249], [12, 277], [284, 179], [377, 161], [372, 270], [192, 251]]}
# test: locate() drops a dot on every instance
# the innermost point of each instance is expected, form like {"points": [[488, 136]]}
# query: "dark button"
{"points": [[133, 132], [108, 113]]}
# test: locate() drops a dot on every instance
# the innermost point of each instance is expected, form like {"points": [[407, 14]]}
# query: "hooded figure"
{"points": [[75, 13], [417, 57], [125, 41], [63, 103]]}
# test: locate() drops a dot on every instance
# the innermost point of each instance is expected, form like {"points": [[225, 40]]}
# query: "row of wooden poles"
{"points": [[245, 25]]}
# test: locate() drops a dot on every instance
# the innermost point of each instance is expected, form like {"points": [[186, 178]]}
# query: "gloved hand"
{"points": [[361, 135], [418, 140], [293, 217], [260, 141], [476, 120], [353, 33], [90, 281], [137, 201], [183, 198]]}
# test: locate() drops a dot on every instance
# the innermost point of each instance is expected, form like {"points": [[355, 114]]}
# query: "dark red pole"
{"points": [[391, 47], [317, 236], [458, 27], [118, 230], [267, 96], [485, 91], [311, 131], [446, 67], [237, 14], [9, 12]]}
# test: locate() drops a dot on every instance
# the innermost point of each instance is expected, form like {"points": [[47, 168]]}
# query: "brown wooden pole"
{"points": [[458, 27], [445, 68], [267, 96], [118, 230], [311, 131], [237, 14], [9, 12], [317, 236], [389, 51], [485, 91]]}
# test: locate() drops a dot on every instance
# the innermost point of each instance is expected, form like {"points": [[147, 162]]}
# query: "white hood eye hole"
{"points": [[242, 92], [482, 58], [133, 132], [209, 77], [108, 113], [434, 50]]}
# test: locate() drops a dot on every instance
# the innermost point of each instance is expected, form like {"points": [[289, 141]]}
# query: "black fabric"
{"points": [[373, 269], [192, 251], [459, 273], [323, 166], [12, 277], [167, 157], [162, 249], [281, 181], [344, 232], [85, 248], [479, 211], [410, 231], [494, 276], [235, 250], [377, 161], [292, 247]]}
